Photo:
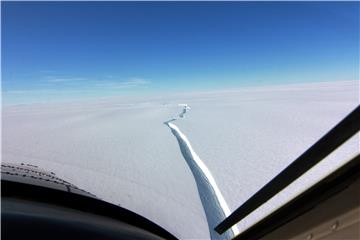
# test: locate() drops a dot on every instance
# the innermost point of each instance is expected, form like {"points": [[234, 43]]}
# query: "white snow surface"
{"points": [[209, 179], [122, 153], [120, 150]]}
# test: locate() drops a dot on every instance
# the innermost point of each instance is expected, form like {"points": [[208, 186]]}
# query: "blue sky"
{"points": [[66, 50]]}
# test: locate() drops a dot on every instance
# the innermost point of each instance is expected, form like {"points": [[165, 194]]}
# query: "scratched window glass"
{"points": [[177, 111]]}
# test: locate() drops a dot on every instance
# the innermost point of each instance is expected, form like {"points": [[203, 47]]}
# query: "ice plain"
{"points": [[120, 150]]}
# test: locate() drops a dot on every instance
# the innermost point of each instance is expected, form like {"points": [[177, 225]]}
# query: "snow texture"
{"points": [[120, 150], [214, 204]]}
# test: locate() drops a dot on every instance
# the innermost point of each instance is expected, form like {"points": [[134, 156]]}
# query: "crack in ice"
{"points": [[214, 204]]}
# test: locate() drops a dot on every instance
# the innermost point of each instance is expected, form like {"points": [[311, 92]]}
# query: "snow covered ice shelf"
{"points": [[123, 153], [120, 150], [247, 136]]}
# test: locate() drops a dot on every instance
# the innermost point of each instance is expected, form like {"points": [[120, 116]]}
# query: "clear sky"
{"points": [[65, 50]]}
